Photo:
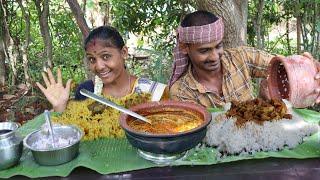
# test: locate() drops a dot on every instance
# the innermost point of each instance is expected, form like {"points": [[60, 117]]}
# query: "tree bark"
{"points": [[106, 17], [25, 46], [10, 52], [43, 14], [304, 21], [13, 55], [288, 32], [234, 14], [2, 45], [298, 25], [84, 5], [318, 46], [315, 36], [2, 62], [258, 22], [79, 16], [84, 28], [96, 14]]}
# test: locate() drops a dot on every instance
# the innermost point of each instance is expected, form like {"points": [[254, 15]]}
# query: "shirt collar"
{"points": [[194, 84]]}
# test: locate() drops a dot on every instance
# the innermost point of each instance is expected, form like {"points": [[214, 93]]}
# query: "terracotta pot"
{"points": [[166, 143], [292, 78]]}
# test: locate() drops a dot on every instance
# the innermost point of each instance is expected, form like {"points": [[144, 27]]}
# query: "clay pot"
{"points": [[166, 143], [292, 78]]}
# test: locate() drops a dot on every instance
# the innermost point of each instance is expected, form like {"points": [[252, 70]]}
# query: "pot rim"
{"points": [[167, 103], [13, 125], [53, 149]]}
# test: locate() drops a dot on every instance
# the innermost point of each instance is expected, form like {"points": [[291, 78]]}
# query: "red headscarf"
{"points": [[193, 34]]}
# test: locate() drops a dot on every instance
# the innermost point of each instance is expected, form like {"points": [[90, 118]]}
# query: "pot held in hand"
{"points": [[292, 78]]}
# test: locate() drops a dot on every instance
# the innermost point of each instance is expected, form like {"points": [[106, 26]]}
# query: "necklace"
{"points": [[101, 88], [129, 88]]}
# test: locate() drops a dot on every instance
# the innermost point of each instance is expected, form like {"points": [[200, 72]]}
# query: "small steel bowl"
{"points": [[10, 145], [57, 155]]}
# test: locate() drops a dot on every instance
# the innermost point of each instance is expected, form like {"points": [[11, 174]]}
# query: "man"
{"points": [[204, 73]]}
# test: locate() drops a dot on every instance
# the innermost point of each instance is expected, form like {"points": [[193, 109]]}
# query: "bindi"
{"points": [[92, 45]]}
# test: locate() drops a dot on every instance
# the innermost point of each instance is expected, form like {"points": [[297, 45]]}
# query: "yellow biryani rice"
{"points": [[97, 120]]}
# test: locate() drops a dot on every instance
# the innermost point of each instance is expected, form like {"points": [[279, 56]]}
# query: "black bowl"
{"points": [[166, 143]]}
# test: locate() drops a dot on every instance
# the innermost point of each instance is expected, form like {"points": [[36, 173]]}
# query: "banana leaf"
{"points": [[117, 155]]}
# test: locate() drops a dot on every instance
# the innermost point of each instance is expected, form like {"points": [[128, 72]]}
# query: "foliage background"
{"points": [[154, 23]]}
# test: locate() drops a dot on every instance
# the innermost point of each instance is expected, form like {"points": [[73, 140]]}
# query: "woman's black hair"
{"points": [[198, 18], [108, 34]]}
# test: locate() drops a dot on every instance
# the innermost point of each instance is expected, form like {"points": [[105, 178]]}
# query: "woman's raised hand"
{"points": [[56, 93]]}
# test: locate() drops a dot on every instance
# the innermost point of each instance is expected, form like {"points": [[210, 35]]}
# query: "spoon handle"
{"points": [[112, 104], [48, 119]]}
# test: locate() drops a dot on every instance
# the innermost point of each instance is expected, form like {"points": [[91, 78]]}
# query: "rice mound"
{"points": [[229, 138], [103, 123]]}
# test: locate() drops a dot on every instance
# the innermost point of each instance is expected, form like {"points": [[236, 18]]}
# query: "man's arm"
{"points": [[257, 61]]}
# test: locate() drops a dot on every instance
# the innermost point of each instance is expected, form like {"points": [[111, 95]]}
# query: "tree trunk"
{"points": [[2, 45], [79, 16], [9, 49], [317, 44], [288, 31], [304, 21], [298, 26], [315, 35], [13, 55], [84, 5], [84, 28], [257, 24], [2, 62], [106, 17], [96, 14], [234, 14], [25, 47], [43, 14]]}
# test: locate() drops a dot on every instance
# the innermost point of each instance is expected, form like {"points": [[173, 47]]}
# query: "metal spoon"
{"points": [[48, 120], [112, 104]]}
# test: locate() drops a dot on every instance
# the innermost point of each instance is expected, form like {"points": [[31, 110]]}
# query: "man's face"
{"points": [[205, 56]]}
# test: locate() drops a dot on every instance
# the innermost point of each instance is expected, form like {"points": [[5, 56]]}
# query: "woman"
{"points": [[106, 54]]}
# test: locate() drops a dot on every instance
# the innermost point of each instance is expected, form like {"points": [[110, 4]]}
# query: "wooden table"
{"points": [[268, 169]]}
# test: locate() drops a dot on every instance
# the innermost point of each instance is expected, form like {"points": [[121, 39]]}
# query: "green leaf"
{"points": [[308, 115], [318, 26], [215, 110], [90, 4], [108, 155]]}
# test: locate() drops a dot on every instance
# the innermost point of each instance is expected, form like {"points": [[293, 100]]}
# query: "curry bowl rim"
{"points": [[167, 103]]}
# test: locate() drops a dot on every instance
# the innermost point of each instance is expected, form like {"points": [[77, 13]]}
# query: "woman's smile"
{"points": [[105, 74]]}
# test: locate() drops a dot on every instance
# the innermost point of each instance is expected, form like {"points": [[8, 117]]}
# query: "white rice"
{"points": [[45, 142], [224, 134]]}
